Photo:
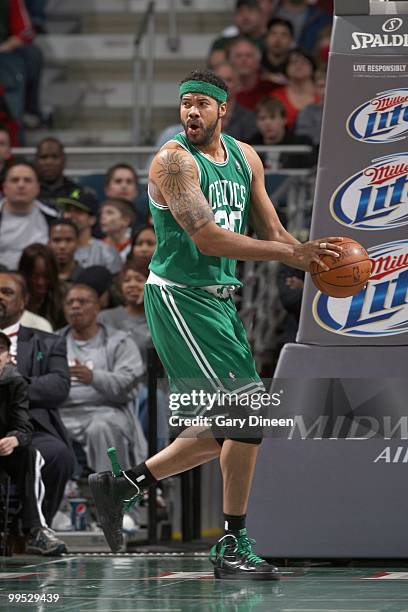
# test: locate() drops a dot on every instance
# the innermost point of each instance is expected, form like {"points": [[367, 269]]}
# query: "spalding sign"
{"points": [[376, 198], [381, 309], [382, 119]]}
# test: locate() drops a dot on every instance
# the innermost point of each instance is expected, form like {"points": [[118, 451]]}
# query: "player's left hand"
{"points": [[81, 372]]}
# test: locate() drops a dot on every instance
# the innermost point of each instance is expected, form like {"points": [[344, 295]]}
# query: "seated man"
{"points": [[63, 242], [42, 358], [19, 459], [104, 366]]}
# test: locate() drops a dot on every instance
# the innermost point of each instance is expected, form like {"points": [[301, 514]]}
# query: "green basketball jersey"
{"points": [[227, 187]]}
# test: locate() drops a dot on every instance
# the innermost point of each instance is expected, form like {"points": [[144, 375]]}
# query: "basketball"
{"points": [[348, 273]]}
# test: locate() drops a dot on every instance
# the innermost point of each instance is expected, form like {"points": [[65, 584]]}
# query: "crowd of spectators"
{"points": [[73, 268]]}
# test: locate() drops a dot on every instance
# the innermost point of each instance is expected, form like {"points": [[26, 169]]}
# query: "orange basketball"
{"points": [[348, 273]]}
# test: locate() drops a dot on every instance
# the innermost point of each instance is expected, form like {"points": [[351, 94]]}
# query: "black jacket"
{"points": [[14, 413], [42, 358]]}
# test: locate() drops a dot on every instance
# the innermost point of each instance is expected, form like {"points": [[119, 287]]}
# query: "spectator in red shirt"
{"points": [[300, 90], [20, 63], [245, 58]]}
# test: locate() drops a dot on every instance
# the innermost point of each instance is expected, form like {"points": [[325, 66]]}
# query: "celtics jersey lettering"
{"points": [[227, 187]]}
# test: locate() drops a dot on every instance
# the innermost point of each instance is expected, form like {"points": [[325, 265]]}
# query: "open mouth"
{"points": [[193, 126]]}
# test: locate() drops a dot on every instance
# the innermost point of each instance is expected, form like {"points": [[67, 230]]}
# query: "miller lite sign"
{"points": [[376, 198], [381, 119], [381, 309]]}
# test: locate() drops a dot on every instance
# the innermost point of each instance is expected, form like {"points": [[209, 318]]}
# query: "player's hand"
{"points": [[81, 372], [311, 251], [7, 445]]}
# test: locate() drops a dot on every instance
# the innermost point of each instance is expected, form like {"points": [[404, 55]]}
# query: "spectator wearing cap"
{"points": [[105, 365], [42, 358], [116, 219], [279, 41], [82, 209], [23, 218], [63, 242], [300, 90], [307, 20], [245, 58], [99, 279], [249, 21], [50, 163]]}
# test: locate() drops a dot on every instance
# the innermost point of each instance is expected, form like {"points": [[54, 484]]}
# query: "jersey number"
{"points": [[230, 221]]}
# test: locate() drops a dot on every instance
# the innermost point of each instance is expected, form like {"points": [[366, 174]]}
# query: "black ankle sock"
{"points": [[233, 523], [142, 476]]}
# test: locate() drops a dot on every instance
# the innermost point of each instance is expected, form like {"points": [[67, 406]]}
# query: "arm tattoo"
{"points": [[180, 188]]}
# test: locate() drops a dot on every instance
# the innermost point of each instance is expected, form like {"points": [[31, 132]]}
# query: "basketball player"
{"points": [[203, 185]]}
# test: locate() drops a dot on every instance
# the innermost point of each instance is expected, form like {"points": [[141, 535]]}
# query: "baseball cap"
{"points": [[97, 277], [81, 199]]}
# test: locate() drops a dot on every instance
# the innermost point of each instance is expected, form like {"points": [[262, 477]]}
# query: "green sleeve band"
{"points": [[208, 89]]}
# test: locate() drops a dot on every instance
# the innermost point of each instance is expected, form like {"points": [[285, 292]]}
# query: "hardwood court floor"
{"points": [[184, 583]]}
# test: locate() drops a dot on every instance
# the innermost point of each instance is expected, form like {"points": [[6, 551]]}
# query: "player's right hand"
{"points": [[311, 251]]}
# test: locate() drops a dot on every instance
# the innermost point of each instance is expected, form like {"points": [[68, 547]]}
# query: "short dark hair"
{"points": [[21, 162], [208, 77], [66, 222], [19, 279], [271, 105], [280, 21], [303, 53], [121, 166], [53, 140], [83, 286], [123, 206]]}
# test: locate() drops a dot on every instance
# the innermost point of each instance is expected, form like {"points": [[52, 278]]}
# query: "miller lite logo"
{"points": [[375, 198], [382, 119], [381, 309]]}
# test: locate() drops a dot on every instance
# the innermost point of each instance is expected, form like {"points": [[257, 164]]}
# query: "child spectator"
{"points": [[272, 125], [116, 220]]}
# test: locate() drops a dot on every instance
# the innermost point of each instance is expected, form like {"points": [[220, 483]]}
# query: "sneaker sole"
{"points": [[100, 499], [221, 574]]}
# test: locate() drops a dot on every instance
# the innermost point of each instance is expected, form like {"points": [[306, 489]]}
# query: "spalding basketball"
{"points": [[348, 273]]}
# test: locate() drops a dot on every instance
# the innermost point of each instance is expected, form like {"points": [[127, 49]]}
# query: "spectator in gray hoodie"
{"points": [[105, 365]]}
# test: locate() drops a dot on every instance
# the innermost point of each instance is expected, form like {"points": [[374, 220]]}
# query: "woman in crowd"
{"points": [[300, 90], [45, 296], [143, 245]]}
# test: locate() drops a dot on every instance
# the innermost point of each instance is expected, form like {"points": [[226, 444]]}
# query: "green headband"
{"points": [[208, 89]]}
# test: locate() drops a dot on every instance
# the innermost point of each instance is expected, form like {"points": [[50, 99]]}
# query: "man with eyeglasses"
{"points": [[104, 365], [41, 358]]}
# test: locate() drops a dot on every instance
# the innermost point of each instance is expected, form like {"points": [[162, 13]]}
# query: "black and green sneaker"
{"points": [[113, 496], [233, 559]]}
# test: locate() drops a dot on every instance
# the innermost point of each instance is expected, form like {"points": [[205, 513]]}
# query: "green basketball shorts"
{"points": [[199, 337]]}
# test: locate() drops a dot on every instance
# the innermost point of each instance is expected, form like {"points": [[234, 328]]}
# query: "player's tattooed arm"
{"points": [[175, 175]]}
